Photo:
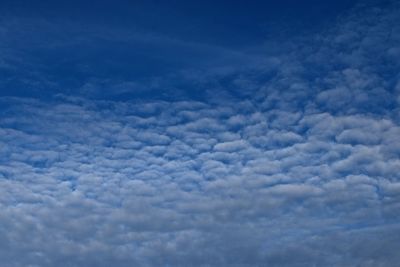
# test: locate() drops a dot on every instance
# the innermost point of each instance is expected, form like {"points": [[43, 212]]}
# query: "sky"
{"points": [[200, 133]]}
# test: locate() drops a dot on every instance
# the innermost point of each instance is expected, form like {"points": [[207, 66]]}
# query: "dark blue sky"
{"points": [[224, 23], [62, 46]]}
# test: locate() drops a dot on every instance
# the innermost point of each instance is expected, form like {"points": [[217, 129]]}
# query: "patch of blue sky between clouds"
{"points": [[300, 169]]}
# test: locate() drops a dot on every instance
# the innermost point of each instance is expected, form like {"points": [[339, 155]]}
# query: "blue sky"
{"points": [[199, 133], [71, 45]]}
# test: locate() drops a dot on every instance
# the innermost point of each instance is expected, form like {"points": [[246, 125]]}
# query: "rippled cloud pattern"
{"points": [[299, 169]]}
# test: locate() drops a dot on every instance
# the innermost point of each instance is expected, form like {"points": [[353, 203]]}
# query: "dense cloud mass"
{"points": [[301, 169]]}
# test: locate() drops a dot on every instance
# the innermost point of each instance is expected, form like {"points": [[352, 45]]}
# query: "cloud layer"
{"points": [[300, 168], [189, 183]]}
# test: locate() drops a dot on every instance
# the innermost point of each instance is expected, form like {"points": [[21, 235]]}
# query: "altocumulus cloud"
{"points": [[305, 172]]}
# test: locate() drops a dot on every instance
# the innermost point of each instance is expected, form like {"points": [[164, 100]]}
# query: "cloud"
{"points": [[71, 180]]}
